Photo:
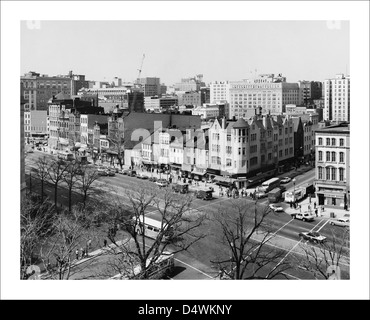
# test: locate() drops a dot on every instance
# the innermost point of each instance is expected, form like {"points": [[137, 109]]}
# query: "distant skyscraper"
{"points": [[337, 98], [266, 93], [219, 91], [151, 86]]}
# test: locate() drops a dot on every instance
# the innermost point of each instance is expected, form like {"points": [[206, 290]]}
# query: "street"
{"points": [[195, 263]]}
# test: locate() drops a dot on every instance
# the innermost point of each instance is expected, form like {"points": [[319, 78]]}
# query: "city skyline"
{"points": [[220, 50]]}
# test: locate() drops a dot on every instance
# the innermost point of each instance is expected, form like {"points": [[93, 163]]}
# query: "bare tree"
{"points": [[116, 142], [177, 233], [56, 171], [70, 177], [327, 260], [87, 178], [41, 172], [58, 252], [244, 233], [36, 221]]}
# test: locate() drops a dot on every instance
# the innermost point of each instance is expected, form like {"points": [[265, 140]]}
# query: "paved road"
{"points": [[286, 229]]}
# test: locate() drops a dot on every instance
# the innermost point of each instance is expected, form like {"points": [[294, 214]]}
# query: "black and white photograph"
{"points": [[187, 142]]}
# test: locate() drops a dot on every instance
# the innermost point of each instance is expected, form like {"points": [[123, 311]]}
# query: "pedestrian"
{"points": [[314, 205], [82, 252], [300, 208], [105, 242], [291, 204], [316, 212], [77, 254]]}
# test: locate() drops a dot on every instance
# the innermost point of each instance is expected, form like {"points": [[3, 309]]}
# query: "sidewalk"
{"points": [[338, 213]]}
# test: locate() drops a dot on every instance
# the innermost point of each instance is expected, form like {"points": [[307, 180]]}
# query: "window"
{"points": [[341, 174], [228, 162], [328, 141], [333, 141], [341, 156], [327, 173], [333, 156], [320, 173], [341, 142], [333, 173], [327, 155], [320, 141]]}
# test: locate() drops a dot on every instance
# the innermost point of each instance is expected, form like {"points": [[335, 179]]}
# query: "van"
{"points": [[205, 194]]}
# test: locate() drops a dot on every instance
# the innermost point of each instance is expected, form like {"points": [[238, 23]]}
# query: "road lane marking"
{"points": [[200, 271], [294, 247]]}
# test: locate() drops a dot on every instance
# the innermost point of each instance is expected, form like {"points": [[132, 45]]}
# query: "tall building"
{"points": [[205, 95], [332, 179], [189, 98], [219, 91], [309, 91], [150, 85], [268, 93], [337, 98], [190, 84], [38, 88]]}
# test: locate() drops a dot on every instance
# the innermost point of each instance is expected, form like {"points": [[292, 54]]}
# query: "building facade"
{"points": [[189, 98], [151, 86], [332, 180], [190, 84], [268, 93], [337, 98], [219, 91], [309, 91]]}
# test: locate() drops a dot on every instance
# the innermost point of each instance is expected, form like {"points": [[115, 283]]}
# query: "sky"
{"points": [[220, 50]]}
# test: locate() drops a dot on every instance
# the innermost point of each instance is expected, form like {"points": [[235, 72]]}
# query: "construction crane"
{"points": [[141, 66], [138, 84]]}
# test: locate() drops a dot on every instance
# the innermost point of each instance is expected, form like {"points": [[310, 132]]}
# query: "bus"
{"points": [[163, 266], [270, 184], [152, 228]]}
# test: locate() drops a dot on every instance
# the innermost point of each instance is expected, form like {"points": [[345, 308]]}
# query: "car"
{"points": [[131, 173], [342, 222], [261, 194], [103, 172], [276, 208], [161, 183], [304, 216], [312, 236], [141, 176], [125, 171], [285, 180], [111, 172], [153, 179]]}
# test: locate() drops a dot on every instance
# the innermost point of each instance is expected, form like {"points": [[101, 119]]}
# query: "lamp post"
{"points": [[294, 188]]}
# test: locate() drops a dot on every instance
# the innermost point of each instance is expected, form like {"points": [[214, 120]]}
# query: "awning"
{"points": [[199, 171], [224, 179], [176, 165], [146, 162], [213, 171]]}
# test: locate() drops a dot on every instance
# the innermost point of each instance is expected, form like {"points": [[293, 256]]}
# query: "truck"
{"points": [[295, 195], [274, 195], [180, 187]]}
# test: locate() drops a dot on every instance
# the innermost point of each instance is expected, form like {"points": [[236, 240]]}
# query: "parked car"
{"points": [[276, 208], [125, 171], [342, 222], [153, 179], [111, 172], [205, 194], [312, 236], [161, 183], [285, 180], [131, 173], [304, 216], [103, 171], [141, 176]]}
